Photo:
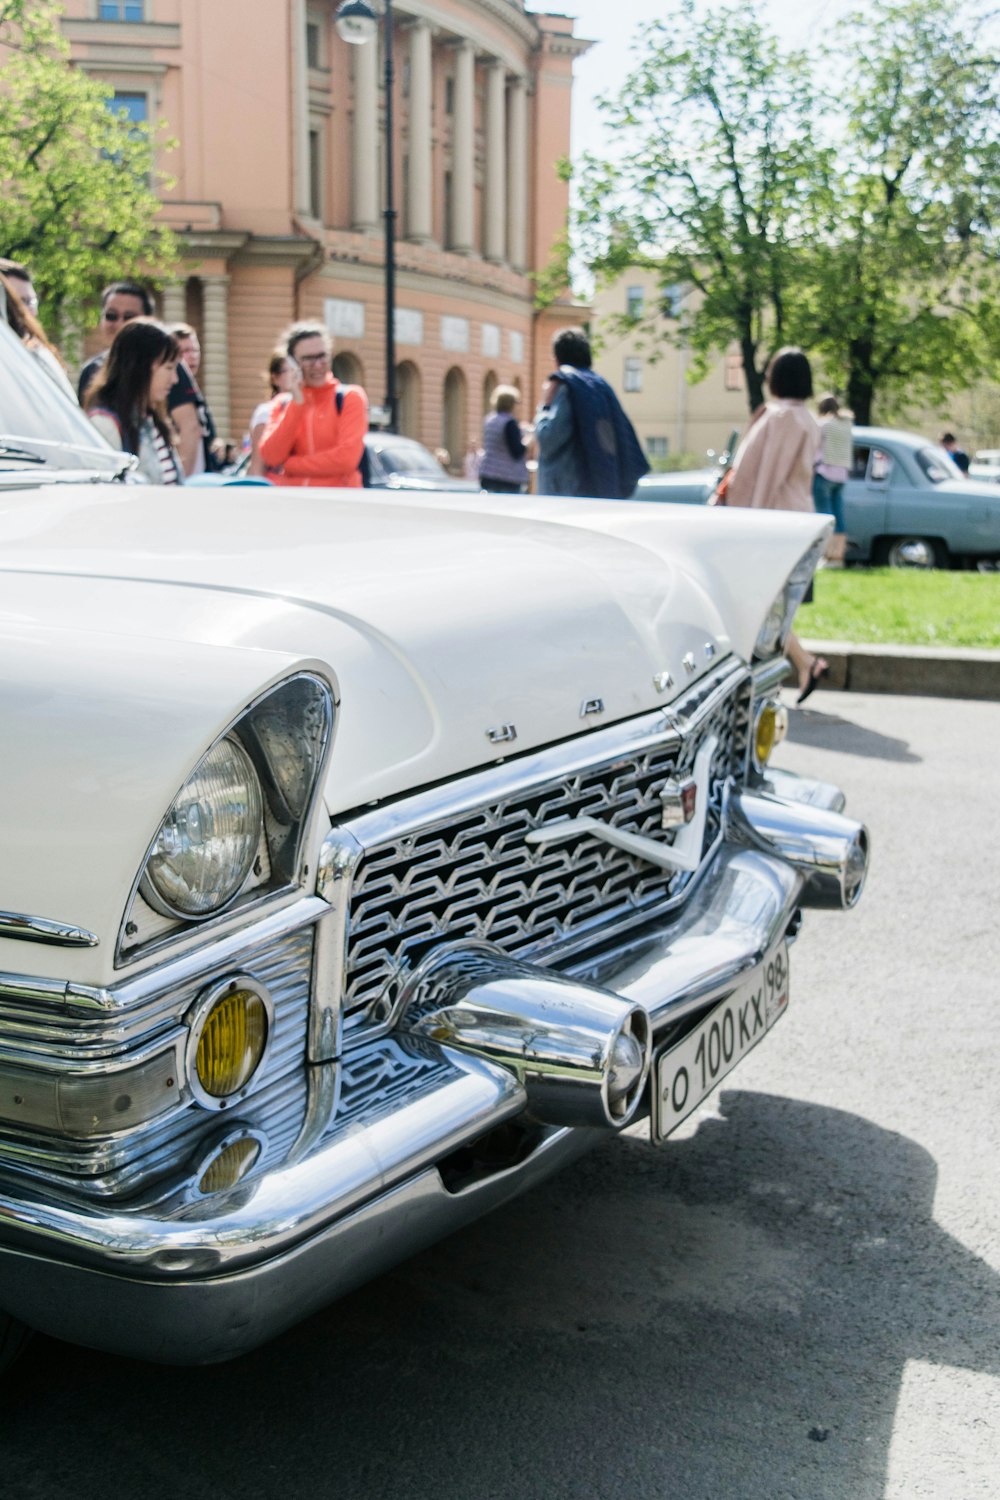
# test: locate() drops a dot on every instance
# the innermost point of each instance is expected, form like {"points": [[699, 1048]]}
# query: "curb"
{"points": [[920, 671]]}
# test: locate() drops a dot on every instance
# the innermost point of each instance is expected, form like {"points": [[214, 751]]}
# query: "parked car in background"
{"points": [[688, 486], [906, 504], [986, 465], [401, 463], [366, 856]]}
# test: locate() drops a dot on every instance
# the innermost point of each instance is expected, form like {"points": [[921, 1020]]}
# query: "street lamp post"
{"points": [[357, 23]]}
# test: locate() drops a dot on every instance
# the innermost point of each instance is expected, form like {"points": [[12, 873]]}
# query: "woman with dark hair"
{"points": [[127, 400], [280, 372], [20, 304], [773, 470]]}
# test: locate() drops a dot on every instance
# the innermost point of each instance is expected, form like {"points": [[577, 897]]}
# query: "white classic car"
{"points": [[364, 859]]}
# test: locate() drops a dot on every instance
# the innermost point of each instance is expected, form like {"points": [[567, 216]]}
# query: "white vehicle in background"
{"points": [[365, 857], [986, 465]]}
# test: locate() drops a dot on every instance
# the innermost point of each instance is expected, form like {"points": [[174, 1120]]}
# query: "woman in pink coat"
{"points": [[773, 470]]}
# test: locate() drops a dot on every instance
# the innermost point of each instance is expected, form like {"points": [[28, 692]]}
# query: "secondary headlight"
{"points": [[209, 838], [230, 1030], [778, 621]]}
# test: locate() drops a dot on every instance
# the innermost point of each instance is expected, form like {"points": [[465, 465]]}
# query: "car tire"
{"points": [[13, 1337], [914, 552]]}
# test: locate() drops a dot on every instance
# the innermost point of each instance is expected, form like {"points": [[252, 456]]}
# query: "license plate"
{"points": [[687, 1073]]}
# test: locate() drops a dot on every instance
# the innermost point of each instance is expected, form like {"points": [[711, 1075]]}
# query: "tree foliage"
{"points": [[858, 220], [900, 294], [77, 201], [712, 180]]}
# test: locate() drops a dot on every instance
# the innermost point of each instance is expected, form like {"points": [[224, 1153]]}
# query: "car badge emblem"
{"points": [[678, 802]]}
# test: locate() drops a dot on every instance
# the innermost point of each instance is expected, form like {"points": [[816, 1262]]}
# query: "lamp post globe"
{"points": [[356, 22]]}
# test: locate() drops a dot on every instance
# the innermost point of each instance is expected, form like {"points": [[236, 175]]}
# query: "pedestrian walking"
{"points": [[833, 468], [127, 399], [586, 444], [316, 433], [773, 469], [503, 467]]}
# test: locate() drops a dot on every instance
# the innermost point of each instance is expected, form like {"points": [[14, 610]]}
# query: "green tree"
{"points": [[899, 293], [712, 183], [77, 202]]}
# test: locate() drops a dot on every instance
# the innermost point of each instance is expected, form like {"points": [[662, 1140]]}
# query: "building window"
{"points": [[633, 374], [121, 10], [135, 106], [449, 95], [734, 372], [635, 301], [314, 57], [672, 298], [315, 175], [657, 447], [449, 223]]}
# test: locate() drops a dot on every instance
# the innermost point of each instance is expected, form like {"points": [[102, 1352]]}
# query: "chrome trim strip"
{"points": [[769, 675], [339, 858], [27, 929], [89, 1002]]}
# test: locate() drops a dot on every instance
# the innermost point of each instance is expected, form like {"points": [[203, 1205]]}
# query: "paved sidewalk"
{"points": [[924, 671]]}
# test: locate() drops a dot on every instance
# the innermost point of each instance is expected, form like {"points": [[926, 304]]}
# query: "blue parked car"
{"points": [[906, 504]]}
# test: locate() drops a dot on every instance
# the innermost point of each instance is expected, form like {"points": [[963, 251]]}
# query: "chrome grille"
{"points": [[470, 875]]}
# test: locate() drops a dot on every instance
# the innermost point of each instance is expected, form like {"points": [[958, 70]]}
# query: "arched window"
{"points": [[347, 368], [490, 384], [454, 427], [408, 395]]}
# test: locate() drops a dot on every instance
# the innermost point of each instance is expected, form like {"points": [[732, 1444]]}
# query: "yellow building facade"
{"points": [[278, 190], [671, 416]]}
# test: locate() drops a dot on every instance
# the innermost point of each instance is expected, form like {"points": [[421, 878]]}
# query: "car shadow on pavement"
{"points": [[825, 731], [727, 1318]]}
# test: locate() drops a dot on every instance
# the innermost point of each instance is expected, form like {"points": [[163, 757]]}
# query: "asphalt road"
{"points": [[798, 1298]]}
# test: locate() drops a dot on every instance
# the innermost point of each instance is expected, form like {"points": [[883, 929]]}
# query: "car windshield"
{"points": [[938, 465], [401, 457], [40, 427]]}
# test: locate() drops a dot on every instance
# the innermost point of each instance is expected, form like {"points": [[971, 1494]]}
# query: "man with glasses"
{"points": [[316, 433], [120, 303]]}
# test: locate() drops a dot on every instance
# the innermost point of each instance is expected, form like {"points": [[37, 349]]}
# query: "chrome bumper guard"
{"points": [[562, 1052]]}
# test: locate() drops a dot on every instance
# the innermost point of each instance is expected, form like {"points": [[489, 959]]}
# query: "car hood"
{"points": [[134, 628]]}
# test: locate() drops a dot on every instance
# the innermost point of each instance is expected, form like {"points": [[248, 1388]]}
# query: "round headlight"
{"points": [[209, 838], [230, 1029], [769, 636]]}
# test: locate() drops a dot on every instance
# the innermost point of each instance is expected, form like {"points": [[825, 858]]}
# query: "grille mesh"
{"points": [[474, 877]]}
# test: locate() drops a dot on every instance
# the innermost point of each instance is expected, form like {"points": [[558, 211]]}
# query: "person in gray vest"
{"points": [[503, 466]]}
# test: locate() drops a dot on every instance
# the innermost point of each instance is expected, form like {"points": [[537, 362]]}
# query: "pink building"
{"points": [[279, 187]]}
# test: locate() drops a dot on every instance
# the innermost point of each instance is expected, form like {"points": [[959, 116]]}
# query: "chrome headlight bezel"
{"points": [[286, 734], [777, 622], [159, 861]]}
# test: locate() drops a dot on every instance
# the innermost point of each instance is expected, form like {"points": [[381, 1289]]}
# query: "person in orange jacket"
{"points": [[316, 433]]}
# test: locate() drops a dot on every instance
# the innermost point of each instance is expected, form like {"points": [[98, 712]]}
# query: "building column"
{"points": [[365, 173], [174, 302], [494, 221], [420, 226], [300, 108], [215, 349], [517, 174], [463, 194]]}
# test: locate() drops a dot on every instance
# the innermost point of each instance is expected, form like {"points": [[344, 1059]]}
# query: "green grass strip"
{"points": [[903, 607]]}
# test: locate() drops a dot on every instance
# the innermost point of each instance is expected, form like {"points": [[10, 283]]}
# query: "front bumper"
{"points": [[229, 1273]]}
